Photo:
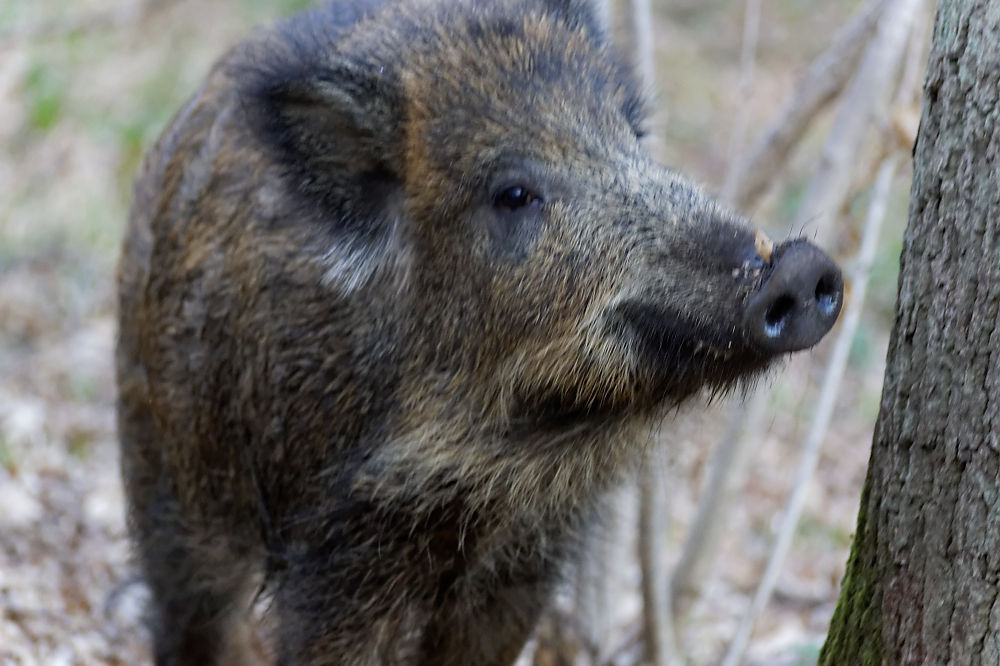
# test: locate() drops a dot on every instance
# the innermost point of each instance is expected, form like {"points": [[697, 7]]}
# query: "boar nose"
{"points": [[799, 302]]}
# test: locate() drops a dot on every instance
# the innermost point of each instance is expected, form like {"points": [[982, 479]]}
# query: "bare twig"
{"points": [[729, 459], [914, 65], [639, 39], [592, 592], [748, 56], [820, 83], [604, 10], [725, 475], [905, 114], [658, 630], [658, 627], [639, 31], [863, 103]]}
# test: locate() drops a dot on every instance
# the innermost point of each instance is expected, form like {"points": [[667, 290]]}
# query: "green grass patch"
{"points": [[44, 88]]}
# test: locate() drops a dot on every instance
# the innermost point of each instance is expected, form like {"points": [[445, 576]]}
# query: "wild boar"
{"points": [[401, 297]]}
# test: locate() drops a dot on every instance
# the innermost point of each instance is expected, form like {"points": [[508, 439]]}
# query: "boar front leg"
{"points": [[492, 633]]}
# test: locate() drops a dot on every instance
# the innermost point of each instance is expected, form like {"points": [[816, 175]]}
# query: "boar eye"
{"points": [[516, 197]]}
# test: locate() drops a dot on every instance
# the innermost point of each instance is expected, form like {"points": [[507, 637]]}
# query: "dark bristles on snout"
{"points": [[690, 357], [799, 301]]}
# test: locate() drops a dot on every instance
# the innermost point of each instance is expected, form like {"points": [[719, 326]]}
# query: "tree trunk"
{"points": [[923, 577]]}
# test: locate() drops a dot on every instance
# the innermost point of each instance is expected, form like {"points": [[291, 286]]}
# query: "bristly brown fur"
{"points": [[347, 366]]}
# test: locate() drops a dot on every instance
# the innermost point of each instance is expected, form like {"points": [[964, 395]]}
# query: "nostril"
{"points": [[798, 301], [827, 294], [777, 315]]}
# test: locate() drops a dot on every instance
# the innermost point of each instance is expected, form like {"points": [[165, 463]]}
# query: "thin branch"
{"points": [[820, 83], [604, 10], [729, 459], [639, 39], [748, 57], [592, 594], [863, 103], [725, 475], [916, 59], [658, 630], [658, 626], [905, 113]]}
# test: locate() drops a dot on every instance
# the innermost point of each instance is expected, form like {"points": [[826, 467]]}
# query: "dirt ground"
{"points": [[85, 87]]}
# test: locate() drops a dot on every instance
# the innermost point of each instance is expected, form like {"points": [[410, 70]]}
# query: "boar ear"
{"points": [[330, 126]]}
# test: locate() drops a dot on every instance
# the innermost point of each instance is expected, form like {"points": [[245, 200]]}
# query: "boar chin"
{"points": [[667, 359], [681, 356]]}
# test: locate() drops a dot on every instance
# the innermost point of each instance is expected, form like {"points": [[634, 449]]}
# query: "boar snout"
{"points": [[798, 303]]}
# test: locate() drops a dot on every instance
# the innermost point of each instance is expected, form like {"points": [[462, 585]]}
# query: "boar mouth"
{"points": [[681, 356], [672, 359], [557, 412]]}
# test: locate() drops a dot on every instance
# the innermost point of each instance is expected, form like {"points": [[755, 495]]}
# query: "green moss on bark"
{"points": [[856, 628]]}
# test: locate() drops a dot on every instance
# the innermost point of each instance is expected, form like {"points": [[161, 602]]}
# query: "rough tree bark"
{"points": [[923, 579]]}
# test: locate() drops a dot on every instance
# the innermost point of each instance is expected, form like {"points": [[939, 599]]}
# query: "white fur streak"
{"points": [[351, 265]]}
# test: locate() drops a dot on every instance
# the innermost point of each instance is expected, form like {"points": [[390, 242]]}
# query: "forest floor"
{"points": [[79, 101]]}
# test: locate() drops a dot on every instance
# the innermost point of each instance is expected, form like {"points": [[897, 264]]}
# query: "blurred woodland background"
{"points": [[85, 88]]}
